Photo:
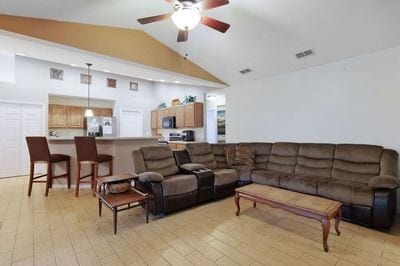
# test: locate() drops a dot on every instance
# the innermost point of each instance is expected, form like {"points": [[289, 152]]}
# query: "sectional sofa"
{"points": [[362, 177]]}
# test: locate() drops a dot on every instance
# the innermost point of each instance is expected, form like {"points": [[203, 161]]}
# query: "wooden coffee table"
{"points": [[305, 205], [127, 200]]}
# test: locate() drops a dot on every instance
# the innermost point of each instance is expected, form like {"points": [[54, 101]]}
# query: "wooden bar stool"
{"points": [[39, 153], [86, 152]]}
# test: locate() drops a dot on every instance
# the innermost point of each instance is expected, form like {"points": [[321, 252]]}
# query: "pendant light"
{"points": [[88, 111]]}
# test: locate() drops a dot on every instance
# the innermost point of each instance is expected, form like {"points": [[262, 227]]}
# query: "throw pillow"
{"points": [[119, 187], [229, 153], [244, 156]]}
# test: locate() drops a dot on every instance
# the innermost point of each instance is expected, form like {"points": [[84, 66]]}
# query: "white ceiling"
{"points": [[264, 35]]}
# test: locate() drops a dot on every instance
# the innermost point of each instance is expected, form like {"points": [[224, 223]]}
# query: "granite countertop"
{"points": [[104, 138]]}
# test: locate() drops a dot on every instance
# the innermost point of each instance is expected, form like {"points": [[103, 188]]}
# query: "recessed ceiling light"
{"points": [[177, 81], [105, 70], [150, 79], [73, 65], [20, 54], [162, 80]]}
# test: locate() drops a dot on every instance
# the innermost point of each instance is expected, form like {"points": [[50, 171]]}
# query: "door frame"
{"points": [[130, 110]]}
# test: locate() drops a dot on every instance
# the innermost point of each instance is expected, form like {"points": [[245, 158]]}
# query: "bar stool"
{"points": [[39, 153], [86, 152]]}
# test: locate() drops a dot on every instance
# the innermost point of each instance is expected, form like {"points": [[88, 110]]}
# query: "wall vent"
{"points": [[245, 71], [304, 53]]}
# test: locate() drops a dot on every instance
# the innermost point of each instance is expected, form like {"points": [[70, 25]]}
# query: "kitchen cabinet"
{"points": [[75, 117], [187, 116], [194, 115], [154, 119], [180, 116], [57, 116], [102, 111]]}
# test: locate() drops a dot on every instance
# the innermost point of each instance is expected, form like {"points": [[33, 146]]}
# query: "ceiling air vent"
{"points": [[304, 53], [245, 71]]}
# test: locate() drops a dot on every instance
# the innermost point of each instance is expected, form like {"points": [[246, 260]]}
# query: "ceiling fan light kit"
{"points": [[187, 16]]}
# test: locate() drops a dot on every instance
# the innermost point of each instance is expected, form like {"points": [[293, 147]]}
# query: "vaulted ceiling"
{"points": [[264, 36]]}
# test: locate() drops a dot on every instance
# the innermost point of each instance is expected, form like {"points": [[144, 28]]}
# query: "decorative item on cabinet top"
{"points": [[186, 116], [65, 116]]}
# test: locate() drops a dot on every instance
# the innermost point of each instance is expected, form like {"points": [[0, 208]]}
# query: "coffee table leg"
{"points": [[337, 221], [254, 204], [115, 220], [147, 210], [326, 225], [100, 205], [237, 198]]}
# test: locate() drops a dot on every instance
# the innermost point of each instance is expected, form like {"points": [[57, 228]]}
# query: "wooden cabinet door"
{"points": [[159, 118], [154, 119], [106, 112], [57, 116], [75, 117], [198, 114], [171, 111], [180, 116], [189, 115]]}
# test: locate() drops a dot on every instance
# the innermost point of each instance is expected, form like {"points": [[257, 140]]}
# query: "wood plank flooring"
{"points": [[64, 230]]}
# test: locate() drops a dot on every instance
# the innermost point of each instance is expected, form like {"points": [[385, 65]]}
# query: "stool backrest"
{"points": [[38, 149], [86, 149]]}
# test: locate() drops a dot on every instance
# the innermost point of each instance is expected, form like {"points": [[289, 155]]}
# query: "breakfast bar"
{"points": [[119, 147]]}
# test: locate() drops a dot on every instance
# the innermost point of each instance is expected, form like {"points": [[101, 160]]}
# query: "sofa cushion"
{"points": [[266, 177], [347, 192], [225, 176], [299, 183], [261, 150], [160, 159], [389, 162], [283, 157], [179, 184], [244, 172], [219, 154], [244, 156], [315, 160], [192, 166], [201, 153], [358, 163]]}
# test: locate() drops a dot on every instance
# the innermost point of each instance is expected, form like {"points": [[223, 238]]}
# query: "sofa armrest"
{"points": [[384, 181], [150, 177], [192, 167]]}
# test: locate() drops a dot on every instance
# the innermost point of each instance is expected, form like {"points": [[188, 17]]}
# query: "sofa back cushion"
{"points": [[283, 157], [202, 153], [389, 162], [219, 154], [262, 152], [356, 162], [315, 159], [160, 159]]}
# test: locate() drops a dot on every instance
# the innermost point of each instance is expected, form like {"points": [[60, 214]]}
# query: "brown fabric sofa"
{"points": [[225, 180], [362, 177], [159, 174]]}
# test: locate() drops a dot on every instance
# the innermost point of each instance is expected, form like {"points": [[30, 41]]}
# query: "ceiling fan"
{"points": [[187, 16]]}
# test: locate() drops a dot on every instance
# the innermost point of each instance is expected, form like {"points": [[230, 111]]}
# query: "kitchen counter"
{"points": [[182, 142], [119, 147]]}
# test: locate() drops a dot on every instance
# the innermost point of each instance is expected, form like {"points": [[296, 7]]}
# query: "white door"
{"points": [[131, 123], [16, 122]]}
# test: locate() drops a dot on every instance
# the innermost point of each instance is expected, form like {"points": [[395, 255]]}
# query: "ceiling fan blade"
{"points": [[183, 36], [210, 4], [215, 24], [154, 19]]}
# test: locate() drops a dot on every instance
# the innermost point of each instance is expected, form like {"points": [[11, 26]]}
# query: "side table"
{"points": [[121, 201]]}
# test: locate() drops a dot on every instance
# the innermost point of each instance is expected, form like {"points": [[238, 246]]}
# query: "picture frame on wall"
{"points": [[86, 79], [133, 86], [56, 74], [111, 83]]}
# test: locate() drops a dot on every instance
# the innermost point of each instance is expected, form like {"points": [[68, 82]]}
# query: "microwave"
{"points": [[169, 122]]}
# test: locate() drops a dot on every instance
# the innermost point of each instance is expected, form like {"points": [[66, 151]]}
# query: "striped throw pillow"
{"points": [[245, 157], [229, 153]]}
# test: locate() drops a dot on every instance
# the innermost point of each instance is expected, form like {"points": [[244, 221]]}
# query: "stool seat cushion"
{"points": [[101, 158], [54, 158]]}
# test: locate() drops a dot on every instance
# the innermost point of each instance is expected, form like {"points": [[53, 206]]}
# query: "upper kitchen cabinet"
{"points": [[194, 115], [103, 112], [75, 116], [57, 116], [186, 116]]}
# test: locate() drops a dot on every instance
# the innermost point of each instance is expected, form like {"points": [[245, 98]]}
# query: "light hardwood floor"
{"points": [[64, 230]]}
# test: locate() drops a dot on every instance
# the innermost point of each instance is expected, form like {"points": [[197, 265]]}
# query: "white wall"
{"points": [[350, 101], [34, 85], [7, 67]]}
